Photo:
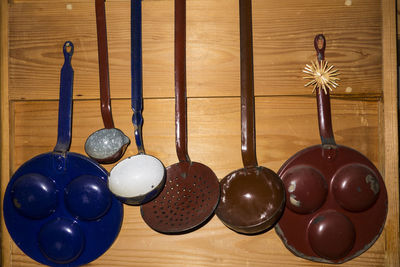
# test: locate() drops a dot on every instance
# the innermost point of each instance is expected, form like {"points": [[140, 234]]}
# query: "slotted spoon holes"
{"points": [[181, 201], [191, 191]]}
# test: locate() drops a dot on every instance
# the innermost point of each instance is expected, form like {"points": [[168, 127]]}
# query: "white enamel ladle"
{"points": [[137, 179]]}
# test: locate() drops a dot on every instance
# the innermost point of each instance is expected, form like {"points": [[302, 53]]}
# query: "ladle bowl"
{"points": [[106, 145], [137, 179], [251, 200]]}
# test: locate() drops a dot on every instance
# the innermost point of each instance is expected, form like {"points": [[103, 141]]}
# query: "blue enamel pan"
{"points": [[57, 206]]}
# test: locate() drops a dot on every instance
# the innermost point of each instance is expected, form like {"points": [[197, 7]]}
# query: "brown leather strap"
{"points": [[105, 99], [323, 100], [180, 81], [249, 156]]}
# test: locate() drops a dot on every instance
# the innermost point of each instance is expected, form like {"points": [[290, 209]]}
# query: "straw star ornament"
{"points": [[322, 75]]}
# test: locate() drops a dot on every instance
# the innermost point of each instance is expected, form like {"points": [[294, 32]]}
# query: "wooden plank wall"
{"points": [[285, 110], [5, 167]]}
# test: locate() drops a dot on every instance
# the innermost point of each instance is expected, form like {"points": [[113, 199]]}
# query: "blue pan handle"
{"points": [[65, 104], [136, 72]]}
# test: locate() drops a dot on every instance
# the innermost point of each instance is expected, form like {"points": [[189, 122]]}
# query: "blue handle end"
{"points": [[68, 49]]}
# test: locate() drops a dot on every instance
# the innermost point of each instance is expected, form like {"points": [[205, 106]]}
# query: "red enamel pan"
{"points": [[336, 198]]}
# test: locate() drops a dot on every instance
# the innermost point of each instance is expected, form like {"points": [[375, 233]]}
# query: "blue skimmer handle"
{"points": [[136, 72], [65, 103]]}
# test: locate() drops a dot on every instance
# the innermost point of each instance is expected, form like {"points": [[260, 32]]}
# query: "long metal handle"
{"points": [[249, 156], [65, 103], [105, 99], [323, 99], [180, 81], [137, 72]]}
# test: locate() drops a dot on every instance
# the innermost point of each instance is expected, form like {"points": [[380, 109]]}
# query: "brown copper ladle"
{"points": [[109, 144], [252, 198], [191, 191], [336, 198]]}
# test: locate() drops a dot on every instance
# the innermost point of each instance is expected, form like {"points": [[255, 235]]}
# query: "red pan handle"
{"points": [[105, 99], [323, 100], [249, 156], [180, 81]]}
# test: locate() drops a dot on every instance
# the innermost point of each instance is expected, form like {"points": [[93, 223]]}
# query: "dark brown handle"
{"points": [[249, 156], [320, 45], [105, 99], [323, 99], [180, 81]]}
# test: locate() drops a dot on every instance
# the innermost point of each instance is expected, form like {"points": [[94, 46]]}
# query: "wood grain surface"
{"points": [[361, 44], [5, 167], [283, 34], [390, 122], [284, 126]]}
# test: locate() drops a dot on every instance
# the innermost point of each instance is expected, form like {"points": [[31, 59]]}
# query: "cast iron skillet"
{"points": [[191, 190], [336, 199], [252, 198], [57, 207]]}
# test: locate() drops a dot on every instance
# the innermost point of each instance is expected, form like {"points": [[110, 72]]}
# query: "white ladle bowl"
{"points": [[137, 179]]}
